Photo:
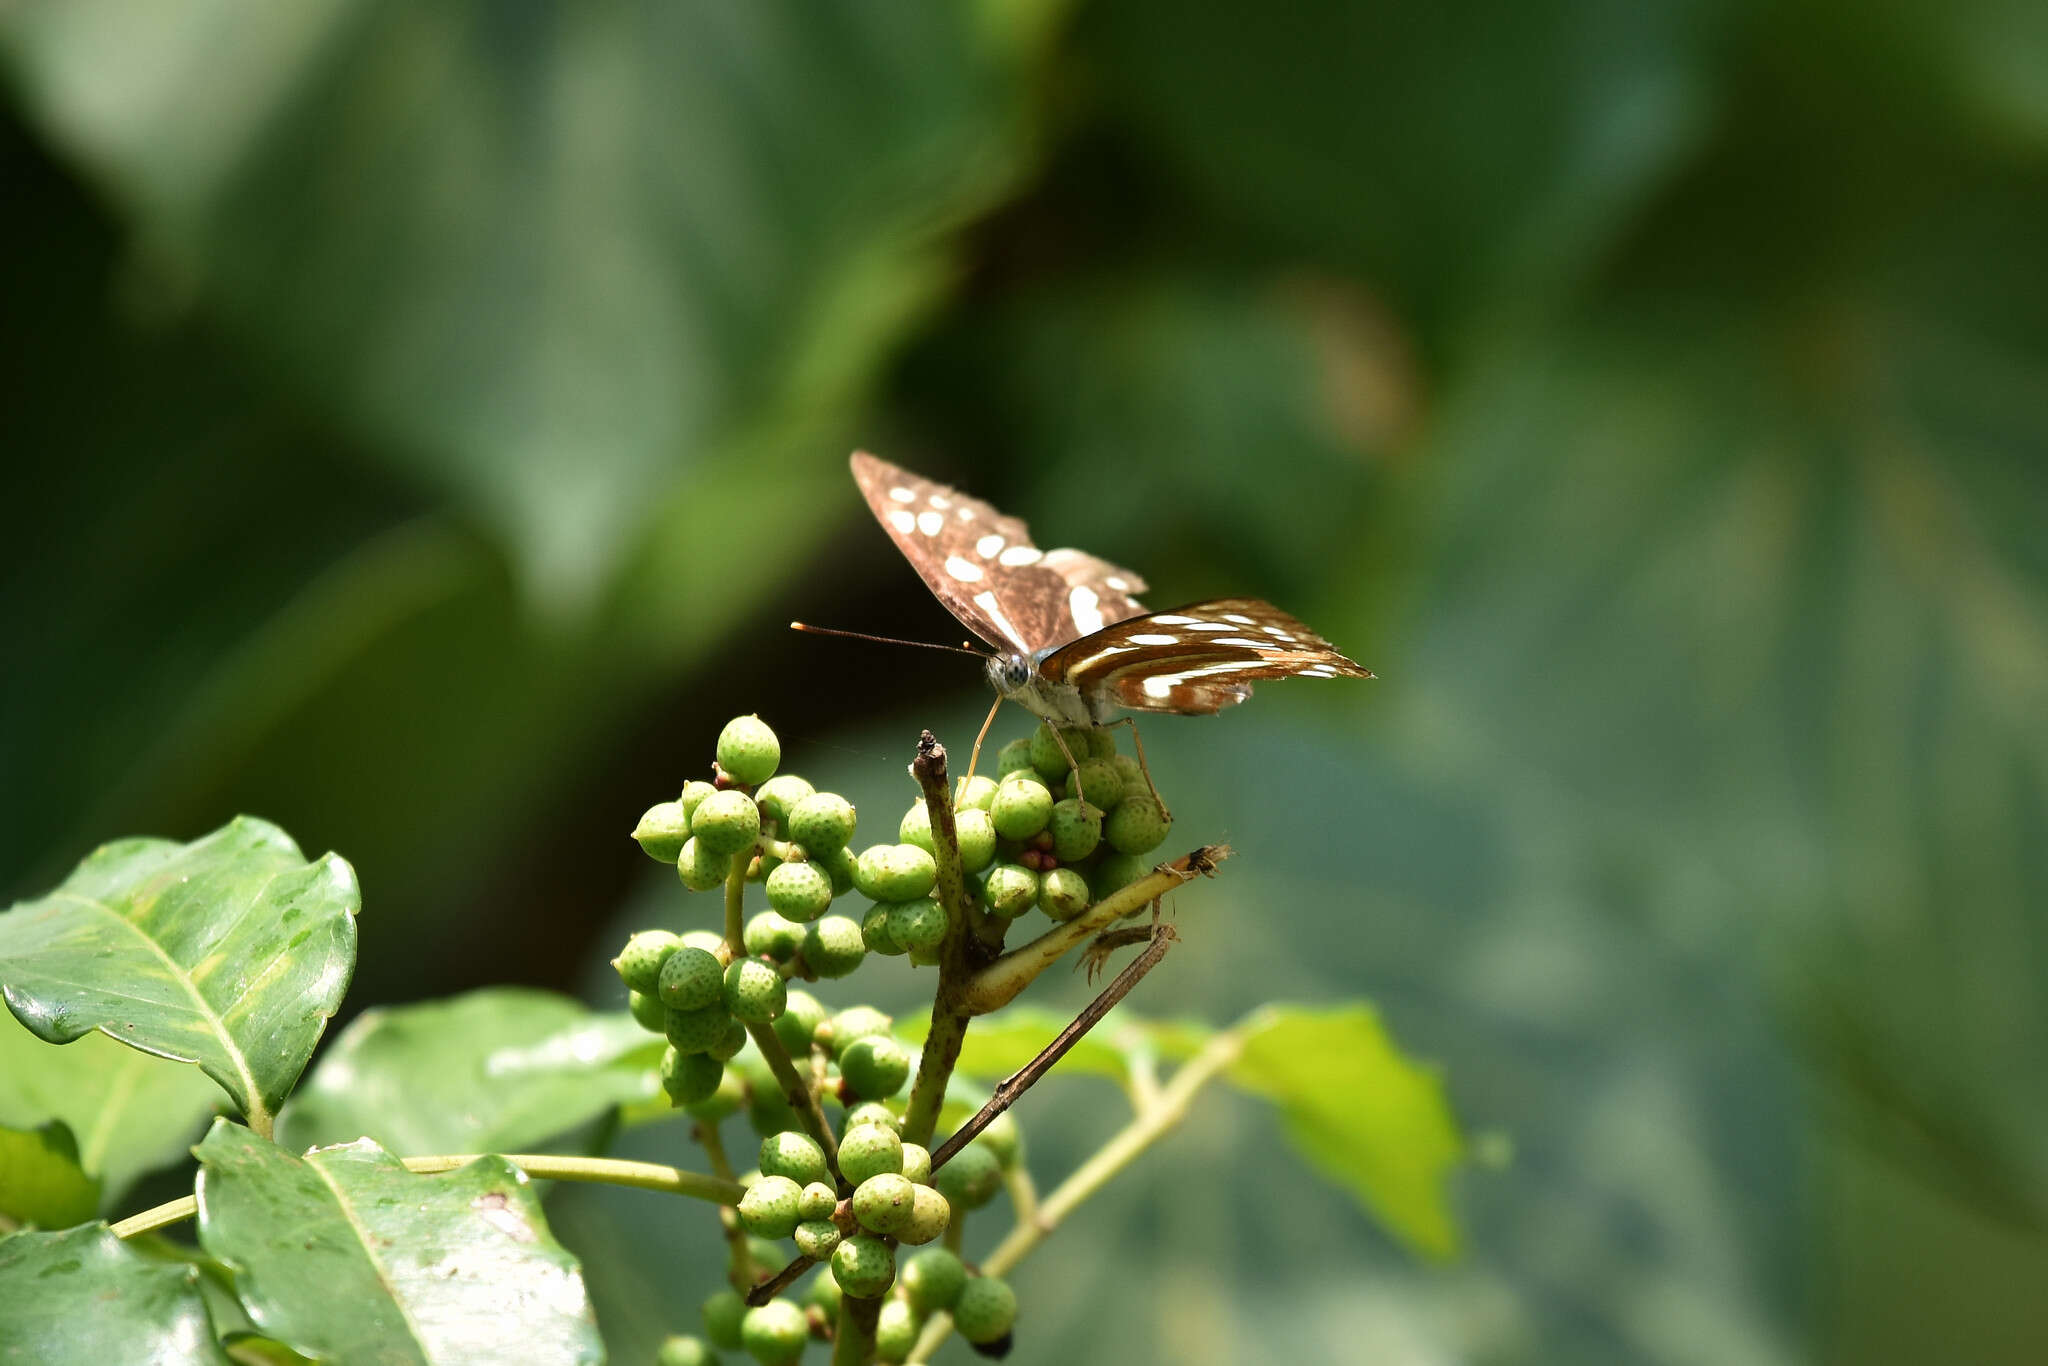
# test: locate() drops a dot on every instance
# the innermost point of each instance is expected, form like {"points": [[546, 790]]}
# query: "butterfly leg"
{"points": [[1073, 764], [1139, 745], [987, 721]]}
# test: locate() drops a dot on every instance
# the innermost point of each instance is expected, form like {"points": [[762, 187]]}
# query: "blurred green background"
{"points": [[422, 419]]}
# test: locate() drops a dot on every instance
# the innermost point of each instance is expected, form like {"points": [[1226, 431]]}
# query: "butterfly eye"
{"points": [[1016, 671]]}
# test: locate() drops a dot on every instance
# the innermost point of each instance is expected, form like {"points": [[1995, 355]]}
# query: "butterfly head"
{"points": [[1011, 674]]}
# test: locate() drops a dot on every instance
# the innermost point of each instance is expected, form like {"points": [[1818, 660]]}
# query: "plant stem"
{"points": [[1119, 1152], [735, 903], [796, 1091], [854, 1345], [739, 1259], [949, 1016], [609, 1171]]}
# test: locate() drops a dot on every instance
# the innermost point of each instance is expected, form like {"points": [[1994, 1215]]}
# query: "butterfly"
{"points": [[1071, 644]]}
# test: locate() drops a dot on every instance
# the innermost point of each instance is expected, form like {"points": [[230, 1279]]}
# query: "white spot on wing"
{"points": [[902, 521], [988, 545], [986, 601], [1020, 555], [1161, 687], [1213, 626], [964, 514], [1082, 602], [903, 495], [1120, 585], [930, 523], [1240, 640], [967, 571], [1238, 617], [1168, 618], [1153, 638], [940, 501]]}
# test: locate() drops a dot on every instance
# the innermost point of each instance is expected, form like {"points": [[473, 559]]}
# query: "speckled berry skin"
{"points": [[1114, 872], [689, 1078], [1021, 808], [975, 832], [871, 1150], [917, 1163], [896, 1330], [856, 1022], [883, 1202], [1099, 778], [699, 868], [917, 926], [639, 963], [694, 791], [722, 1314], [933, 1280], [874, 932], [729, 1043], [973, 794], [916, 828], [691, 979], [648, 1011], [726, 823], [1076, 829], [1047, 756], [769, 1208], [874, 1112], [770, 935], [816, 1238], [697, 1031], [930, 1212], [1014, 757], [775, 1333], [1063, 893], [794, 1155], [971, 1179], [875, 1067], [896, 872], [800, 891], [986, 1309], [801, 1015], [1012, 889], [778, 797], [821, 822], [754, 991], [833, 946], [818, 1202], [662, 829], [1137, 826], [864, 1266], [748, 750]]}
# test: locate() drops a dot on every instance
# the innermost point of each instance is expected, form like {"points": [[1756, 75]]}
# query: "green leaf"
{"points": [[1362, 1113], [130, 1112], [231, 952], [41, 1181], [82, 1298], [347, 1256], [504, 1068], [998, 1044]]}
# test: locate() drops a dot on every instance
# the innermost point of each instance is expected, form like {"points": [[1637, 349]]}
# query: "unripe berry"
{"points": [[882, 1203], [794, 1155], [768, 1209], [875, 1067], [825, 1295], [694, 791], [971, 1178], [689, 1077], [874, 932], [1012, 889], [1076, 830], [841, 865], [648, 1011], [1099, 779], [1049, 759], [639, 963], [699, 868], [933, 1280], [678, 1350], [712, 943], [801, 1015], [917, 925], [729, 1043], [662, 829], [875, 1112], [1117, 871], [870, 1150], [917, 1163], [697, 1031], [832, 946], [754, 992], [723, 1103], [986, 1309], [896, 1330], [1138, 826], [691, 979], [800, 891], [916, 828], [1063, 893], [1132, 773], [726, 823], [930, 1212], [896, 872], [821, 822], [775, 1334], [768, 1110], [816, 1238], [973, 794], [1021, 808], [975, 832], [865, 1267], [747, 750], [769, 935], [1004, 1139], [722, 1315], [1101, 744], [923, 957], [854, 1022], [1014, 757], [767, 1255], [818, 1201], [778, 797]]}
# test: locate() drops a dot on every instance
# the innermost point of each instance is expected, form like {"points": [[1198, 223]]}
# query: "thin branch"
{"points": [[949, 1016], [780, 1281], [796, 1091]]}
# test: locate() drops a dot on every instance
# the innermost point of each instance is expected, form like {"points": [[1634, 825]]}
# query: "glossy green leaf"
{"points": [[347, 1256], [80, 1297], [497, 1070], [41, 1181], [231, 952], [130, 1112]]}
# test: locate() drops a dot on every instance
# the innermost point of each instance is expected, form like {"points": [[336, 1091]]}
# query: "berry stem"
{"points": [[854, 1343], [949, 1016], [609, 1171], [735, 903], [801, 1098]]}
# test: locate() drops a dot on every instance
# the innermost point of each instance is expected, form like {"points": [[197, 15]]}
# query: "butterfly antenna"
{"points": [[887, 640]]}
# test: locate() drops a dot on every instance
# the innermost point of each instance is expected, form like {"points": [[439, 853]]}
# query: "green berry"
{"points": [[971, 1179], [923, 957], [875, 934], [699, 868], [833, 946], [722, 1315], [1004, 1139], [896, 1330], [689, 1077], [1014, 757], [691, 979], [821, 822], [729, 1043], [1049, 759], [973, 794], [933, 1280], [855, 1022], [917, 925], [1011, 890], [882, 1203], [801, 1015], [662, 829], [678, 1350], [726, 823], [818, 1201], [875, 1067], [648, 1011], [639, 963], [1076, 830], [766, 1255], [1101, 744], [768, 1110], [794, 1155], [816, 1238], [841, 865], [930, 1212], [801, 891], [778, 797], [1137, 826], [711, 942], [896, 872], [754, 991], [975, 832], [873, 1112], [776, 1333], [1063, 893], [917, 1163], [694, 792], [825, 1295], [769, 935], [1100, 780], [986, 1309], [1021, 808], [864, 1267], [748, 751], [724, 1102], [1117, 871], [1133, 775], [871, 1150], [916, 828], [768, 1209], [697, 1031]]}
